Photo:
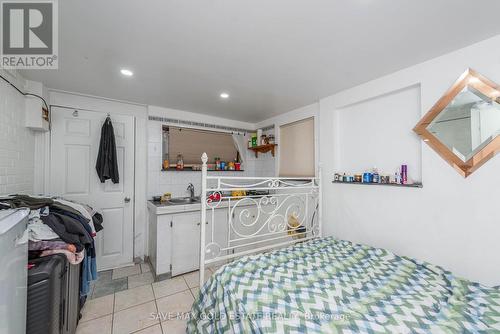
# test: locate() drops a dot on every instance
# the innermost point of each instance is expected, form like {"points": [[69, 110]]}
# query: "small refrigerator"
{"points": [[13, 271]]}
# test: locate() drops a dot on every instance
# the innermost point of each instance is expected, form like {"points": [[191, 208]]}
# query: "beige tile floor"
{"points": [[143, 307]]}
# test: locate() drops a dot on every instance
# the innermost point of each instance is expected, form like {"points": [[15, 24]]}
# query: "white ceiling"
{"points": [[271, 55]]}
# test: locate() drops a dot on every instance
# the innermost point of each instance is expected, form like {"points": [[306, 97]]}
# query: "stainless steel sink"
{"points": [[184, 200]]}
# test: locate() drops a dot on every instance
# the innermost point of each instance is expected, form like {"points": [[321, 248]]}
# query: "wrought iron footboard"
{"points": [[245, 215]]}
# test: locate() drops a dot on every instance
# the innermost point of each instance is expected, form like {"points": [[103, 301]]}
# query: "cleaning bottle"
{"points": [[376, 175]]}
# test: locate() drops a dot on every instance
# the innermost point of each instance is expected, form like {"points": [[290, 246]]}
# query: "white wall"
{"points": [[452, 221], [375, 133], [17, 142]]}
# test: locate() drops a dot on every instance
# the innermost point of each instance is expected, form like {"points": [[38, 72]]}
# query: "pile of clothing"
{"points": [[57, 225]]}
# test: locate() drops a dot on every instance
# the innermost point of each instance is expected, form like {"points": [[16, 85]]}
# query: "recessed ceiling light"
{"points": [[127, 73], [224, 95]]}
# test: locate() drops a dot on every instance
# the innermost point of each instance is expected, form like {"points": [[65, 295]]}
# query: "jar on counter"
{"points": [[180, 162], [270, 139]]}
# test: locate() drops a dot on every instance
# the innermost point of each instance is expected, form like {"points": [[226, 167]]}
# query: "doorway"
{"points": [[75, 138]]}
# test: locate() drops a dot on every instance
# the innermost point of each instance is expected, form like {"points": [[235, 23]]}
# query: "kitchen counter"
{"points": [[169, 208]]}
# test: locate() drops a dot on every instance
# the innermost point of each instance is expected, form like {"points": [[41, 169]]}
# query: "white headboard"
{"points": [[244, 215]]}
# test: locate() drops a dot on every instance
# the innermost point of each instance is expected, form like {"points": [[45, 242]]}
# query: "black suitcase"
{"points": [[53, 296]]}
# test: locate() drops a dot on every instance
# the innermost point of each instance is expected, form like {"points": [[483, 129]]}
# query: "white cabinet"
{"points": [[220, 232], [159, 245], [174, 234], [259, 227], [186, 238], [174, 239], [244, 216], [33, 114], [185, 242]]}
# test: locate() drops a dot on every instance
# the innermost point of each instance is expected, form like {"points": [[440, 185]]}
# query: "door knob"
{"points": [[127, 199]]}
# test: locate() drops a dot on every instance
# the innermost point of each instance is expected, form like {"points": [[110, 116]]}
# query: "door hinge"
{"points": [[171, 223]]}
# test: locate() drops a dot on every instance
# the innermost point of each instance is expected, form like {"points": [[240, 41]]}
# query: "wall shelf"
{"points": [[263, 149], [188, 169], [414, 185]]}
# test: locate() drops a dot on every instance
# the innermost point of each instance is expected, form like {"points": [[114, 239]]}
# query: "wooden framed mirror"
{"points": [[463, 127]]}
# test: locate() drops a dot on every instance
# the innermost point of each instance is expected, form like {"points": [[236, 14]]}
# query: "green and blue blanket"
{"points": [[335, 286]]}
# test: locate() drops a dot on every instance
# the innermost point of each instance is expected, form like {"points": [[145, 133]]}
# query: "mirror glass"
{"points": [[463, 126], [468, 123]]}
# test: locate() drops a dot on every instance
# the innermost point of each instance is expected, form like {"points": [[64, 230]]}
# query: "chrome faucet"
{"points": [[190, 188]]}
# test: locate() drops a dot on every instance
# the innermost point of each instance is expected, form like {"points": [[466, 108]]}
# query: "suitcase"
{"points": [[72, 315], [53, 296]]}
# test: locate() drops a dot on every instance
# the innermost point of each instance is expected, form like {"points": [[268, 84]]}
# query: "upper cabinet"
{"points": [[464, 125]]}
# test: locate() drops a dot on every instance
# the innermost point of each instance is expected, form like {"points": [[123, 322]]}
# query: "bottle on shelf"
{"points": [[404, 174], [397, 178], [375, 175]]}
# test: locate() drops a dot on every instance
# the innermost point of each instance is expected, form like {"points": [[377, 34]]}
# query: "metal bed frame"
{"points": [[262, 213]]}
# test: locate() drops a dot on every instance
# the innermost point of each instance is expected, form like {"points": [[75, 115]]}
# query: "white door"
{"points": [[75, 138]]}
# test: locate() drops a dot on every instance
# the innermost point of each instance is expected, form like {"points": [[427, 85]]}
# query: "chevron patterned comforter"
{"points": [[335, 286]]}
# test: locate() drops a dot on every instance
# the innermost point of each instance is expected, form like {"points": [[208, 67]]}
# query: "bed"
{"points": [[335, 286], [301, 282]]}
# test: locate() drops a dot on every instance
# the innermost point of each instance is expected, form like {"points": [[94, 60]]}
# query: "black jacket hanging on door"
{"points": [[107, 165]]}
